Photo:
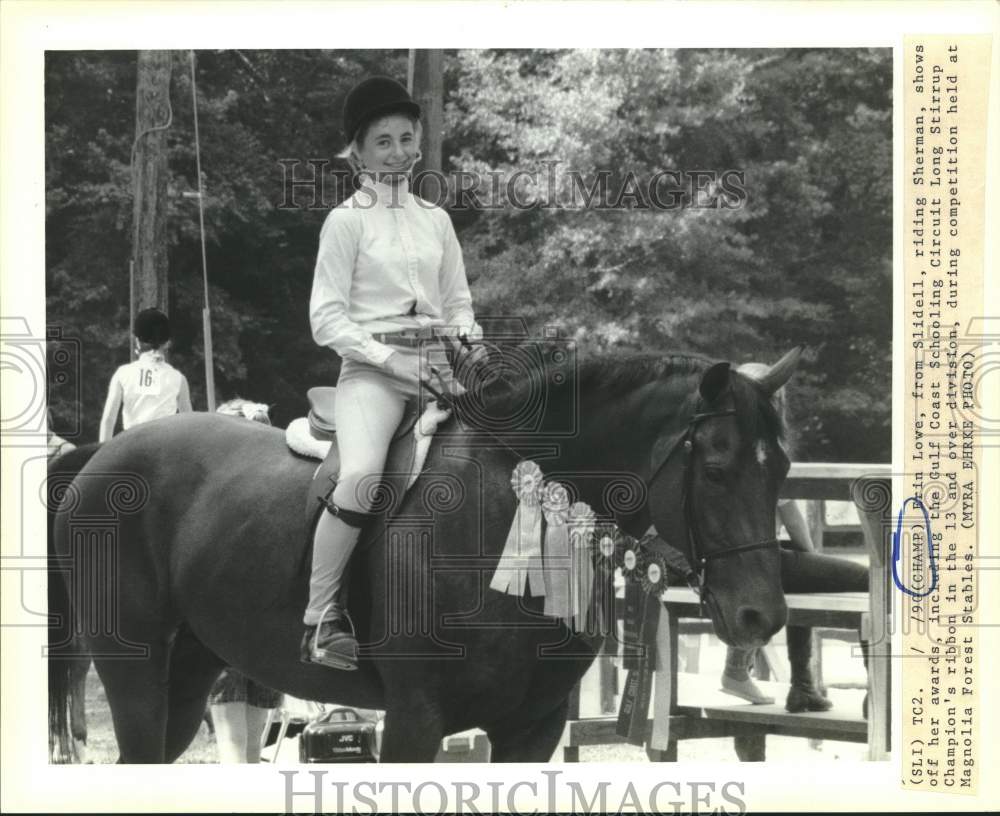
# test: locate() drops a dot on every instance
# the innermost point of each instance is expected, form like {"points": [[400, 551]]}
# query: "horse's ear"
{"points": [[714, 382], [781, 372]]}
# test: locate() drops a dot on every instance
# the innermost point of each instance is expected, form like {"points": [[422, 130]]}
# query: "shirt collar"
{"points": [[387, 194]]}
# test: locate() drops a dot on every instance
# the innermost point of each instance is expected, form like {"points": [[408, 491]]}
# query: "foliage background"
{"points": [[806, 261]]}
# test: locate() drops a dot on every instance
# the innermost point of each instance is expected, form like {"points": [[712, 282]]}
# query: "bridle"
{"points": [[692, 565]]}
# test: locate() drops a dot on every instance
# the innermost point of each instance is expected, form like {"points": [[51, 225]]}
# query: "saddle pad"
{"points": [[300, 440]]}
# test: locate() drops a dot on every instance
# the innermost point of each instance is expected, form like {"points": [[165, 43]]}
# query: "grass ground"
{"points": [[839, 665], [101, 746]]}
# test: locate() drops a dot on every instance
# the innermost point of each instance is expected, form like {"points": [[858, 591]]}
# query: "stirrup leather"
{"points": [[352, 518]]}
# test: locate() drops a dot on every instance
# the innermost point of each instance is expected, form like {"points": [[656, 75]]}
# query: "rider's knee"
{"points": [[357, 489]]}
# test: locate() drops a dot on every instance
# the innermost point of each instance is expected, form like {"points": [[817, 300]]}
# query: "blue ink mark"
{"points": [[930, 549]]}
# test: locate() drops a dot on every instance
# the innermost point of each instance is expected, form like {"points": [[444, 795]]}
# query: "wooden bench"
{"points": [[847, 610]]}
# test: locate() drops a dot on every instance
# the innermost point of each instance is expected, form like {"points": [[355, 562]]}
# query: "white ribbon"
{"points": [[581, 530], [564, 575], [659, 739], [555, 505], [522, 552]]}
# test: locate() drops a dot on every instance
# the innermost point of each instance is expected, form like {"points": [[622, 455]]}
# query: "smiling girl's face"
{"points": [[391, 145]]}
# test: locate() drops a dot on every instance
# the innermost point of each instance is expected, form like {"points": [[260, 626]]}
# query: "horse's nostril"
{"points": [[754, 623]]}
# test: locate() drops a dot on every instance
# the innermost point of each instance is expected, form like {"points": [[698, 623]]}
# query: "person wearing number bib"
{"points": [[148, 388], [389, 275]]}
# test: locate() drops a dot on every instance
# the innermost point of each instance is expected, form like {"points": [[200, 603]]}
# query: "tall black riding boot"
{"points": [[329, 638], [803, 695]]}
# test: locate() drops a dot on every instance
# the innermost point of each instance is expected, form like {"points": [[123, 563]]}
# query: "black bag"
{"points": [[340, 735]]}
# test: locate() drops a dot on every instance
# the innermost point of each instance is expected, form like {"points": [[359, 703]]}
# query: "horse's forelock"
{"points": [[755, 412]]}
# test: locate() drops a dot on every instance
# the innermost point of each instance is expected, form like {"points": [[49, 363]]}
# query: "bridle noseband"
{"points": [[692, 566]]}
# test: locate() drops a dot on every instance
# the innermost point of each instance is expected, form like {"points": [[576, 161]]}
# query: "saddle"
{"points": [[315, 437]]}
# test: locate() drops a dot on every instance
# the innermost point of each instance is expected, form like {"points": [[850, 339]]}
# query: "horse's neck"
{"points": [[617, 431]]}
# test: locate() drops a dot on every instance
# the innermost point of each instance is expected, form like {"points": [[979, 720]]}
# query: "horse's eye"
{"points": [[715, 474]]}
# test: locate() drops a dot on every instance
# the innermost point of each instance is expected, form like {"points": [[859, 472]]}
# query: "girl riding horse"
{"points": [[388, 274]]}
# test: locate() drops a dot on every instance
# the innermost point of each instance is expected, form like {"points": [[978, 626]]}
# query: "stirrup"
{"points": [[334, 660]]}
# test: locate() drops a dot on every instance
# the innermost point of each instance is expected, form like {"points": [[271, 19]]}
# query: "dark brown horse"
{"points": [[69, 659], [192, 541]]}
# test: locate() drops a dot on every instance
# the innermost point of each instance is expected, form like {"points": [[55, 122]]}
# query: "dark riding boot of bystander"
{"points": [[803, 694]]}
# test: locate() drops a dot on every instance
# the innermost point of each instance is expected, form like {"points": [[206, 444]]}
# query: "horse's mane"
{"points": [[620, 374]]}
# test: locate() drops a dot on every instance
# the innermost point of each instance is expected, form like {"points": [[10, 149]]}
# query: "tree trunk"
{"points": [[426, 85], [149, 180], [427, 89]]}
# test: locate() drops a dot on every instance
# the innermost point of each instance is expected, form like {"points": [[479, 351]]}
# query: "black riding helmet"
{"points": [[372, 98], [152, 327]]}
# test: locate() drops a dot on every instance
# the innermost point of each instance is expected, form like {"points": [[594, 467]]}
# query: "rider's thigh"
{"points": [[367, 412]]}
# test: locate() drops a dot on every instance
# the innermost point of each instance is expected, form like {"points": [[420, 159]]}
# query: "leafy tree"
{"points": [[805, 261], [255, 109], [806, 258]]}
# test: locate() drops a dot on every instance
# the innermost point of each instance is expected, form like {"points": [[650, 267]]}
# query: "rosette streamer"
{"points": [[522, 552], [581, 533], [558, 566], [659, 739], [602, 609]]}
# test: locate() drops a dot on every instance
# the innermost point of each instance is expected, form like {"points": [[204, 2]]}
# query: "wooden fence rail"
{"points": [[869, 487]]}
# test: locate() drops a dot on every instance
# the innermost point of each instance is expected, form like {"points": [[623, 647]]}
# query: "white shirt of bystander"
{"points": [[148, 388]]}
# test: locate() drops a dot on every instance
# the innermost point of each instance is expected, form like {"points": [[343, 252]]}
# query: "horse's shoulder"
{"points": [[472, 461]]}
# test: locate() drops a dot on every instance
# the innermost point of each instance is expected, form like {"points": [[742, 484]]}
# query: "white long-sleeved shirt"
{"points": [[387, 261], [148, 388]]}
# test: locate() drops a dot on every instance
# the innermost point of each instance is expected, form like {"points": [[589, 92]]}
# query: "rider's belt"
{"points": [[411, 338]]}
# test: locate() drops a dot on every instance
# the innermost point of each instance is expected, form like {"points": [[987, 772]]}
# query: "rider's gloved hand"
{"points": [[470, 360]]}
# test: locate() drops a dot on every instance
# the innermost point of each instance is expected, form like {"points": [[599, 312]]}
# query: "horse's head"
{"points": [[713, 493]]}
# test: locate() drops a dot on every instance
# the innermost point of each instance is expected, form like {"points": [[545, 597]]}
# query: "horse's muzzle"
{"points": [[754, 625]]}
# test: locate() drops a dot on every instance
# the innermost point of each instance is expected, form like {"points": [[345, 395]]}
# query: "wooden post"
{"points": [[426, 85], [149, 181], [873, 498], [571, 753], [815, 517], [608, 681], [426, 79]]}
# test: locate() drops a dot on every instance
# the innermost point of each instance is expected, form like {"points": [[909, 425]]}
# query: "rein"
{"points": [[692, 567]]}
